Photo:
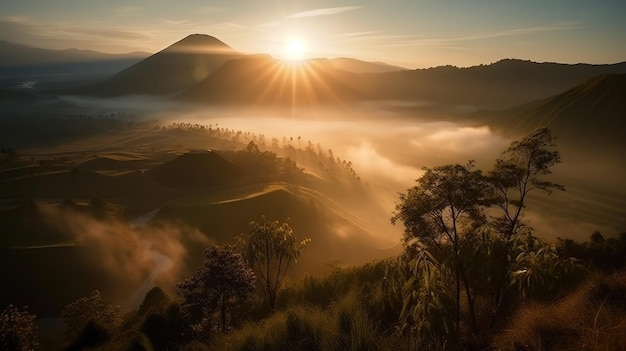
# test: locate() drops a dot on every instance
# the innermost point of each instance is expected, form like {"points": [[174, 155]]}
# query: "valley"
{"points": [[119, 182]]}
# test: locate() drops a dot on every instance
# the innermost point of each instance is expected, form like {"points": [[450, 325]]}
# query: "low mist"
{"points": [[130, 259], [388, 151]]}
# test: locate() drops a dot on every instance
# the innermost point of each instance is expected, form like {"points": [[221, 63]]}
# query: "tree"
{"points": [[18, 330], [88, 310], [166, 328], [270, 249], [438, 213], [154, 300], [519, 171], [450, 241], [224, 280]]}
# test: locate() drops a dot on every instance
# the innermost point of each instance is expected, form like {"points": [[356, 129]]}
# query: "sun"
{"points": [[294, 49]]}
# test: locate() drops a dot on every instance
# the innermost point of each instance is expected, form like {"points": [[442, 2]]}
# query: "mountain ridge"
{"points": [[168, 71], [16, 54], [590, 117]]}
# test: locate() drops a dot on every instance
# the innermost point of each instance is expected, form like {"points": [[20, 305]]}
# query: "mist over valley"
{"points": [[117, 178]]}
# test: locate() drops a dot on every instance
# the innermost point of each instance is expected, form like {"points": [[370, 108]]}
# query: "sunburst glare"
{"points": [[294, 49]]}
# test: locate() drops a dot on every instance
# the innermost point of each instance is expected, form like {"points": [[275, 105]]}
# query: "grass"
{"points": [[344, 325], [592, 317]]}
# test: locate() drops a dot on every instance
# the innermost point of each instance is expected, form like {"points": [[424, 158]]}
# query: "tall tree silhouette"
{"points": [[220, 283], [270, 248]]}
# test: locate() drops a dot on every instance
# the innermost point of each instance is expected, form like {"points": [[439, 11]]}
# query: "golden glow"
{"points": [[294, 49]]}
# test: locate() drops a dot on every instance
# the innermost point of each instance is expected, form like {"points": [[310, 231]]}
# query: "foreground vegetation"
{"points": [[472, 276]]}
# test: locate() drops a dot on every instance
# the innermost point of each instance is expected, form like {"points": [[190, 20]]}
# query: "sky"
{"points": [[409, 33]]}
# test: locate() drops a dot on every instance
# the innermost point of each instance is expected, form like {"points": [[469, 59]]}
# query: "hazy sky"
{"points": [[412, 33]]}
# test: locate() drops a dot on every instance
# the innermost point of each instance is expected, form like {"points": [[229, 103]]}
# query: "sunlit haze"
{"points": [[407, 33]]}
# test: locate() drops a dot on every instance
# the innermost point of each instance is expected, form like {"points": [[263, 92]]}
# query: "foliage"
{"points": [[222, 282], [321, 291], [355, 329], [449, 241], [92, 335], [538, 272], [429, 305], [77, 315], [18, 330], [298, 328], [343, 326], [446, 201], [166, 328], [520, 170], [270, 249], [444, 208], [154, 300], [608, 255], [591, 317]]}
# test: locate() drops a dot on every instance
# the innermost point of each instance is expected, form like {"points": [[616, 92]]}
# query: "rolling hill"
{"points": [[337, 234], [169, 71], [196, 169]]}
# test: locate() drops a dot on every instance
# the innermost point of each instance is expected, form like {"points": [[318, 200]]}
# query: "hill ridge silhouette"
{"points": [[264, 80], [588, 117], [196, 169]]}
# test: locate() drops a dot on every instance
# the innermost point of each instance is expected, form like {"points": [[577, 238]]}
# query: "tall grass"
{"points": [[592, 317], [345, 325]]}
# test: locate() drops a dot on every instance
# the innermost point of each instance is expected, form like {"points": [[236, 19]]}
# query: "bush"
{"points": [[17, 329]]}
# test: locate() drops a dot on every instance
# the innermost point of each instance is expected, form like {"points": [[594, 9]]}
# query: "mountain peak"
{"points": [[200, 43]]}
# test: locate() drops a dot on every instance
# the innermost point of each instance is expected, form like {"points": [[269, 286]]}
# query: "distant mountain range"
{"points": [[357, 66], [17, 59], [202, 69], [499, 85], [503, 84]]}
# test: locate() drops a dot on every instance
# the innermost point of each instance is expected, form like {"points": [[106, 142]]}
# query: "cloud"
{"points": [[323, 12], [357, 34], [106, 33], [15, 19], [371, 163], [178, 22]]}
